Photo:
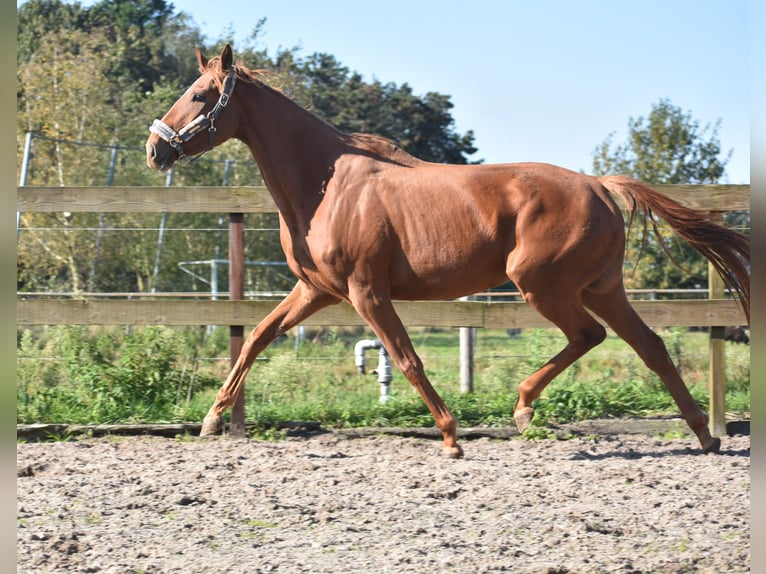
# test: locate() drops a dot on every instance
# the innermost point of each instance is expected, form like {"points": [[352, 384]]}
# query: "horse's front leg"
{"points": [[380, 315], [302, 302]]}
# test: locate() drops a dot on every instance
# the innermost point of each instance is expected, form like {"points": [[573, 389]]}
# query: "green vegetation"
{"points": [[99, 375], [667, 147]]}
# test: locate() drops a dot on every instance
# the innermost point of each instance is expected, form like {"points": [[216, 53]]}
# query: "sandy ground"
{"points": [[330, 503]]}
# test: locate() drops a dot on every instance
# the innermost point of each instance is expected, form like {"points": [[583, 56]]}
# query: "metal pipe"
{"points": [[23, 176], [25, 159], [384, 374], [384, 364], [161, 235], [112, 166], [300, 336], [359, 349], [467, 345]]}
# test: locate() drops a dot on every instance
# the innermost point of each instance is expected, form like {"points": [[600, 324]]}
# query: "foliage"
{"points": [[79, 375], [667, 147], [420, 125], [145, 56]]}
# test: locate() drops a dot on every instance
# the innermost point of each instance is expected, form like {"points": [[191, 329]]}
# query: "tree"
{"points": [[422, 126], [668, 147], [140, 35], [36, 18], [101, 73], [64, 83]]}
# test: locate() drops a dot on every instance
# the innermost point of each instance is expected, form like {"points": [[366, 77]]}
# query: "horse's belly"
{"points": [[446, 278]]}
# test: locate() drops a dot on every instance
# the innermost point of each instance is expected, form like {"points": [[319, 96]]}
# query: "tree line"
{"points": [[101, 73]]}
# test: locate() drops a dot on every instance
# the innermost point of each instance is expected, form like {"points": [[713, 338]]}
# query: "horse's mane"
{"points": [[378, 146], [252, 76], [382, 148], [244, 73]]}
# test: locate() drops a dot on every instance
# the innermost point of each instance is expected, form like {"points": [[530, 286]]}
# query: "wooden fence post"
{"points": [[237, 292], [467, 345], [717, 374], [467, 339]]}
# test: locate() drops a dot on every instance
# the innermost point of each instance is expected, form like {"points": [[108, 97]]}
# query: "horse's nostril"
{"points": [[151, 155]]}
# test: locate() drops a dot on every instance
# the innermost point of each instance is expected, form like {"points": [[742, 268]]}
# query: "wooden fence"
{"points": [[716, 312]]}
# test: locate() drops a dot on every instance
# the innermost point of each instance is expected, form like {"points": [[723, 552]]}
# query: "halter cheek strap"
{"points": [[176, 139]]}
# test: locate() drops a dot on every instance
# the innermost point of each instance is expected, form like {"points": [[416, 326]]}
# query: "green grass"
{"points": [[88, 375]]}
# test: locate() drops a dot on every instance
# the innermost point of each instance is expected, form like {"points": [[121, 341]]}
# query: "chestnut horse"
{"points": [[364, 222]]}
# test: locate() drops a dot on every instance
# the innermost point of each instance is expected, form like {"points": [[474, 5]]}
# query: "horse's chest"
{"points": [[322, 263]]}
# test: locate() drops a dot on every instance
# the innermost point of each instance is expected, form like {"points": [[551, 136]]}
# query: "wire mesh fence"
{"points": [[129, 252]]}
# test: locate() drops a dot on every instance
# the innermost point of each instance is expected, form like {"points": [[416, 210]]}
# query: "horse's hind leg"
{"points": [[583, 333], [303, 301], [615, 309]]}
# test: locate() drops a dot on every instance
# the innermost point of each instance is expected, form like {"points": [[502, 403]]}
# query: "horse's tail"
{"points": [[727, 249]]}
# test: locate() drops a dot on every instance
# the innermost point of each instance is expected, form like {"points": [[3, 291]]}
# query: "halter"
{"points": [[176, 139]]}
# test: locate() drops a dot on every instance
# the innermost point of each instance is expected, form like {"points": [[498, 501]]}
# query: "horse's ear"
{"points": [[201, 60], [227, 57]]}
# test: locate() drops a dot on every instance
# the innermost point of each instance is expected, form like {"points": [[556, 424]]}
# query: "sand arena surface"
{"points": [[329, 503]]}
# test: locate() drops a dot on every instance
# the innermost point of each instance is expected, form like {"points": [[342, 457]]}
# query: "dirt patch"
{"points": [[330, 503]]}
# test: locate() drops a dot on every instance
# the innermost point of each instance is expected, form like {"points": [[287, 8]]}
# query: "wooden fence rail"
{"points": [[714, 313], [252, 199], [444, 314]]}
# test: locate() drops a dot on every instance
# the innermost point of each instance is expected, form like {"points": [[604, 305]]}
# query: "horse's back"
{"points": [[441, 231]]}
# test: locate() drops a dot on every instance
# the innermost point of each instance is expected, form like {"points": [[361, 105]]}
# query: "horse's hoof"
{"points": [[714, 446], [452, 452], [212, 425], [523, 417]]}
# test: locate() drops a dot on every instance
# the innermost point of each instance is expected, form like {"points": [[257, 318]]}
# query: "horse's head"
{"points": [[196, 122]]}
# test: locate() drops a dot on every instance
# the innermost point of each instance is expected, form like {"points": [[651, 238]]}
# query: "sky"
{"points": [[543, 80]]}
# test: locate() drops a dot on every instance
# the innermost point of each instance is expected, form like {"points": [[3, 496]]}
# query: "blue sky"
{"points": [[536, 81], [546, 81]]}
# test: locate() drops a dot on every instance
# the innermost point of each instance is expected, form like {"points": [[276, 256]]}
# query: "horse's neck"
{"points": [[294, 149]]}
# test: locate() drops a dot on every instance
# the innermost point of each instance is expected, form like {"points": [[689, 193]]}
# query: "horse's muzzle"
{"points": [[159, 155]]}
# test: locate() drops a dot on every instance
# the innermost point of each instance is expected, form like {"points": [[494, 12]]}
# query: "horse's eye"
{"points": [[198, 98]]}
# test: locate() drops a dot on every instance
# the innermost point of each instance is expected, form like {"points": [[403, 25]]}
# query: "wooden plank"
{"points": [[681, 313], [691, 313], [717, 362], [708, 196], [200, 199], [413, 313], [256, 199], [162, 312], [512, 315]]}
